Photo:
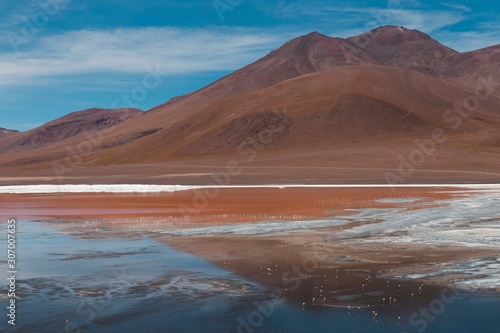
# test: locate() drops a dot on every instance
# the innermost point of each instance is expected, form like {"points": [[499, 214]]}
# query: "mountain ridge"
{"points": [[4, 132], [73, 124]]}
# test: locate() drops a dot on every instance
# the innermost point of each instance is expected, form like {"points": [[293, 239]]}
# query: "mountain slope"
{"points": [[476, 70], [359, 104]]}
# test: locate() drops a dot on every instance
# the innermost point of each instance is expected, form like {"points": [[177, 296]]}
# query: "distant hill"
{"points": [[72, 125], [6, 132]]}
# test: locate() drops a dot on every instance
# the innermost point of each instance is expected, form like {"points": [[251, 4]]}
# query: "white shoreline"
{"points": [[141, 188]]}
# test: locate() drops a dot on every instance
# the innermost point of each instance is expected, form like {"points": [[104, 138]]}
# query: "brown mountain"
{"points": [[6, 132], [73, 125], [327, 108], [318, 109], [470, 69], [300, 56], [411, 49], [405, 49], [303, 55]]}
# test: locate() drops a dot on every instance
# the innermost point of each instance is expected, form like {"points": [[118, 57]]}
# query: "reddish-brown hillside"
{"points": [[476, 70], [406, 49], [360, 104], [72, 125], [7, 132]]}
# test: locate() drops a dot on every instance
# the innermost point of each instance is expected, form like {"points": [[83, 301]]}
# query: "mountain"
{"points": [[6, 132], [327, 108], [75, 124], [303, 55], [360, 106], [471, 69], [405, 49]]}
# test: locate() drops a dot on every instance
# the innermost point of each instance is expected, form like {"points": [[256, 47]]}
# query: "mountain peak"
{"points": [[302, 55], [404, 48], [390, 35], [314, 35], [392, 28], [316, 51], [387, 45]]}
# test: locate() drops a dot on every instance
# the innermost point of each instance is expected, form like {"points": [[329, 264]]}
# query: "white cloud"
{"points": [[457, 7], [29, 16], [350, 21], [346, 21], [174, 50], [186, 51], [426, 21], [364, 17]]}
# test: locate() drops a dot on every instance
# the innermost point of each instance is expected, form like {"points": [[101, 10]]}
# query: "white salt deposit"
{"points": [[141, 188]]}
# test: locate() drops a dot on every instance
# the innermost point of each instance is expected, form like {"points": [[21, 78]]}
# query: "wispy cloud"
{"points": [[365, 18], [457, 7], [345, 21], [35, 14], [426, 21], [174, 50]]}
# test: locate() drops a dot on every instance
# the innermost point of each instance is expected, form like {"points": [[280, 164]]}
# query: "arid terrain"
{"points": [[313, 188], [219, 166], [388, 106]]}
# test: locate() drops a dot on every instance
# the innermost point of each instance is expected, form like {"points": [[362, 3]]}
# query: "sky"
{"points": [[60, 56]]}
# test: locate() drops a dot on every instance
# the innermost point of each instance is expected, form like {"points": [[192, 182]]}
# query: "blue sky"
{"points": [[59, 56]]}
